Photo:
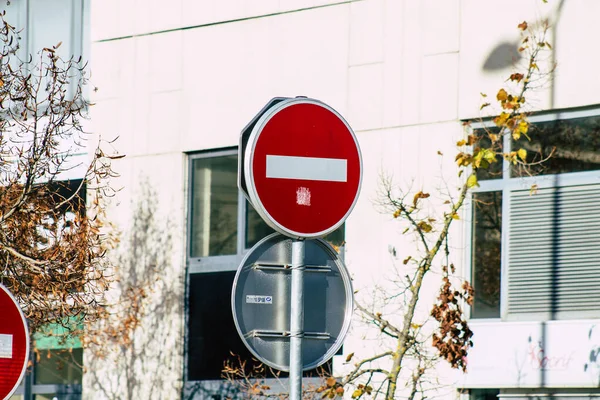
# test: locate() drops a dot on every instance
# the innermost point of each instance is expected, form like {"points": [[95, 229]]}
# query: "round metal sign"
{"points": [[260, 302], [303, 168], [14, 344]]}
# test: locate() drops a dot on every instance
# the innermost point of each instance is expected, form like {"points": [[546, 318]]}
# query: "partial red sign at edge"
{"points": [[13, 327]]}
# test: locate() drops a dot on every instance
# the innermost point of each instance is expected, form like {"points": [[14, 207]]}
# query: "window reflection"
{"points": [[214, 206], [256, 228], [59, 367], [487, 233], [570, 145]]}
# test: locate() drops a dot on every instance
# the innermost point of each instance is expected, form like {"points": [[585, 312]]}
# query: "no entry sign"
{"points": [[302, 167], [14, 344]]}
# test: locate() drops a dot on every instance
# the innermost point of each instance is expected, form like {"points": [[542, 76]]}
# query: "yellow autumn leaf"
{"points": [[357, 393], [461, 142], [523, 127], [501, 119], [522, 153], [520, 129], [349, 357], [533, 189], [472, 181], [502, 95]]}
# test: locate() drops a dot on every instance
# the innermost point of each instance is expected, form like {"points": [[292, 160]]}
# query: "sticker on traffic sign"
{"points": [[14, 344], [302, 167]]}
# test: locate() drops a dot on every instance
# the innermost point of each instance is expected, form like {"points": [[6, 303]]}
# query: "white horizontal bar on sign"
{"points": [[307, 168], [6, 346]]}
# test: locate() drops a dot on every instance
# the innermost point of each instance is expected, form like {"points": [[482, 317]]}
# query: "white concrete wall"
{"points": [[402, 72]]}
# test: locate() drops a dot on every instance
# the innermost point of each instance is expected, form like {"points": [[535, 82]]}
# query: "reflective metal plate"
{"points": [[260, 301]]}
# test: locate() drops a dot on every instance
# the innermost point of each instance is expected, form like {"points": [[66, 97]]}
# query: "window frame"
{"points": [[222, 263], [505, 184], [207, 264], [211, 264]]}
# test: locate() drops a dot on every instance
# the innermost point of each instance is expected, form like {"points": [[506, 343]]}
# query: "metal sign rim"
{"points": [[27, 339], [347, 315], [249, 170]]}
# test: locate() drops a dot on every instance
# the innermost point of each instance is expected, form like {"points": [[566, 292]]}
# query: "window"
{"points": [[483, 394], [222, 227], [45, 23], [534, 234]]}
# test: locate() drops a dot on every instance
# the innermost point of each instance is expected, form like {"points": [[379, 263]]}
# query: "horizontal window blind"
{"points": [[554, 253]]}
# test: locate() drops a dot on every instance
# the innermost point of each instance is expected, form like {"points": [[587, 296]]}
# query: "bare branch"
{"points": [[381, 322]]}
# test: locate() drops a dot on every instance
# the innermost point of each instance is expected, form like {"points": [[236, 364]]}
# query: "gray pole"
{"points": [[297, 319]]}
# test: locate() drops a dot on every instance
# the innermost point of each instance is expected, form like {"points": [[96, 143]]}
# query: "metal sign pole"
{"points": [[297, 319]]}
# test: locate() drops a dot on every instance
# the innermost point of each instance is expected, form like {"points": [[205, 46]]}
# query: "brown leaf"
{"points": [[425, 227], [516, 77], [522, 26], [419, 195]]}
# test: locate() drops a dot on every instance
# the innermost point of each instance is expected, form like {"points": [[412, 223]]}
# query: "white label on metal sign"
{"points": [[307, 168], [6, 346], [255, 299]]}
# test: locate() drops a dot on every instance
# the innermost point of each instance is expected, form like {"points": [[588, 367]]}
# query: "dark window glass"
{"points": [[484, 394], [60, 367], [487, 234], [337, 237], [494, 170], [212, 334], [256, 228], [75, 190], [570, 145], [214, 206]]}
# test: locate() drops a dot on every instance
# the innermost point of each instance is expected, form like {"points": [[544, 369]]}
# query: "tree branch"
{"points": [[24, 257], [381, 322]]}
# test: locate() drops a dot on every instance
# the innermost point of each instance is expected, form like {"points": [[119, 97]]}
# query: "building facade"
{"points": [[177, 82]]}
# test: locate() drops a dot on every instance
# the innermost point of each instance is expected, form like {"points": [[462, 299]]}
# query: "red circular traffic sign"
{"points": [[303, 168], [14, 344]]}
